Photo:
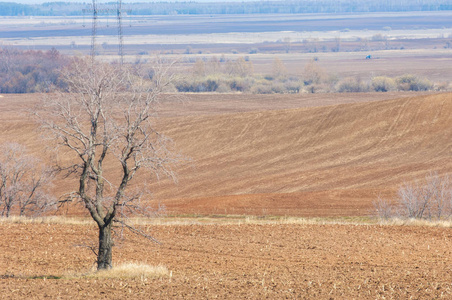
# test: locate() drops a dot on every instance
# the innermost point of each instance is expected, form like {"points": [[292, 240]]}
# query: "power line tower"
{"points": [[95, 14], [120, 40], [93, 31]]}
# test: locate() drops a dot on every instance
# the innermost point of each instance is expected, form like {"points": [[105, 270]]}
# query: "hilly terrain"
{"points": [[329, 160], [287, 155]]}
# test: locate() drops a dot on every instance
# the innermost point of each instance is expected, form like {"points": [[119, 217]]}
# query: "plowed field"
{"points": [[257, 261], [301, 155]]}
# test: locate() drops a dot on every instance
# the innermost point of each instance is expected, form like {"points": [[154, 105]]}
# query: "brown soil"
{"points": [[234, 262], [285, 155], [263, 155], [286, 161]]}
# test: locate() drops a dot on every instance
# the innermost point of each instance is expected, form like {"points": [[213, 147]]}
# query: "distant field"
{"points": [[227, 29], [16, 27], [286, 154], [417, 42]]}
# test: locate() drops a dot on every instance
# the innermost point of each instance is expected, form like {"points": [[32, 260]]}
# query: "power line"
{"points": [[119, 15]]}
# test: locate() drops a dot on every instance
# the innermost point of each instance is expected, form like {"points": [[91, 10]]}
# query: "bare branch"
{"points": [[23, 183], [105, 120], [137, 231]]}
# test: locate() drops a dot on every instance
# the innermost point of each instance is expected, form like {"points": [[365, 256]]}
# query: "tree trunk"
{"points": [[104, 256]]}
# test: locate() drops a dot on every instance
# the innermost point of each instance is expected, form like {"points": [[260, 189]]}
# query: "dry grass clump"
{"points": [[416, 222], [45, 220], [132, 270]]}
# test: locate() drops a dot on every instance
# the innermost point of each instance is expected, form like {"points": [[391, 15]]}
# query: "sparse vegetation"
{"points": [[431, 200], [383, 84], [24, 183], [351, 85], [30, 71], [132, 270], [411, 82], [35, 71]]}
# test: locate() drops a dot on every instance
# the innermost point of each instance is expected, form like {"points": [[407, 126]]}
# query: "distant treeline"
{"points": [[30, 71], [33, 71], [255, 7]]}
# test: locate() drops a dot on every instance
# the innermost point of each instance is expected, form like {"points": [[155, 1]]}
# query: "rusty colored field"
{"points": [[329, 160], [235, 261], [287, 154], [304, 155]]}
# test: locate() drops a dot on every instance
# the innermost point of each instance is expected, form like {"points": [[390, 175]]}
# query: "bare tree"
{"points": [[384, 208], [413, 203], [23, 180], [431, 200], [105, 121], [278, 68]]}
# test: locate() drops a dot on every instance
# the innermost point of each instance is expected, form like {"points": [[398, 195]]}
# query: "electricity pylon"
{"points": [[95, 10]]}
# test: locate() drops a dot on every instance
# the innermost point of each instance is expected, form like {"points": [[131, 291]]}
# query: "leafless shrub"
{"points": [[23, 180], [383, 84], [278, 68], [409, 82], [313, 73], [351, 85], [412, 201], [431, 200], [384, 208]]}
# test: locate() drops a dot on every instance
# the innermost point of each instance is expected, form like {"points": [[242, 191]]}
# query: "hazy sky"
{"points": [[125, 1]]}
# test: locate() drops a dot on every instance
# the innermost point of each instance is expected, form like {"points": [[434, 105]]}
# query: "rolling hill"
{"points": [[308, 161], [332, 160]]}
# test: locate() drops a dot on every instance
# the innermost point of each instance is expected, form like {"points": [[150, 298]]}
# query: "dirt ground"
{"points": [[236, 261], [320, 155], [282, 155]]}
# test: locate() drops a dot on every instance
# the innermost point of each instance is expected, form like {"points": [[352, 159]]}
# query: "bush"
{"points": [[292, 86], [240, 84], [317, 88], [313, 73], [409, 82], [278, 68], [383, 84], [253, 51], [433, 199], [261, 89], [31, 71], [443, 86], [240, 67], [223, 88], [197, 85], [265, 86], [278, 88], [384, 208], [351, 85]]}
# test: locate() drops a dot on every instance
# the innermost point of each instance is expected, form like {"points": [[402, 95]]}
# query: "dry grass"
{"points": [[46, 220], [417, 222], [193, 220], [132, 270], [235, 220]]}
